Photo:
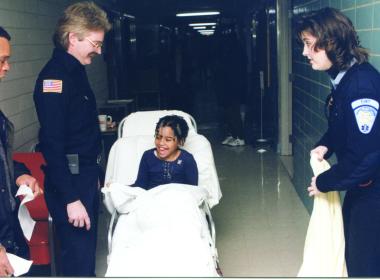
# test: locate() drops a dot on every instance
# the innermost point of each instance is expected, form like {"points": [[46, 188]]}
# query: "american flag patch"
{"points": [[52, 86]]}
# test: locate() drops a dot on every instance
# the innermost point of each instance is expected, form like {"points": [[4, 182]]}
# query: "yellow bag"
{"points": [[324, 244]]}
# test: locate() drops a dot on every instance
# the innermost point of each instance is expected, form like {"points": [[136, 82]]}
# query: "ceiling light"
{"points": [[193, 14], [199, 27], [203, 24], [129, 16], [206, 31]]}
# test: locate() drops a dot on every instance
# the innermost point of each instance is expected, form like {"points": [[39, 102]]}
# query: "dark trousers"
{"points": [[233, 120], [230, 117], [361, 217], [77, 245]]}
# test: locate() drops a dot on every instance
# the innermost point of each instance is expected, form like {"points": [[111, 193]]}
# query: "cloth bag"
{"points": [[324, 244]]}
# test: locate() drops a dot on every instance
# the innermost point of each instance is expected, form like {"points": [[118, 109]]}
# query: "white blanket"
{"points": [[324, 245], [162, 232]]}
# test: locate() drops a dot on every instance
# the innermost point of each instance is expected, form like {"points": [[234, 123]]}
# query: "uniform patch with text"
{"points": [[365, 111], [52, 86]]}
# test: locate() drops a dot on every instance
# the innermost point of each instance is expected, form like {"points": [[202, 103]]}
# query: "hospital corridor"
{"points": [[213, 106]]}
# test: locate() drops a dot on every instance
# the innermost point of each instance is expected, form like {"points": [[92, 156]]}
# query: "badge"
{"points": [[52, 86], [365, 111]]}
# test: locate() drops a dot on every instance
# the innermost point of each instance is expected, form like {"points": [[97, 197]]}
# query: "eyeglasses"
{"points": [[97, 45]]}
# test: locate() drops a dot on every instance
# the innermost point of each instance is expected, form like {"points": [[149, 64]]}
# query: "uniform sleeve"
{"points": [[325, 141], [326, 138], [360, 163], [191, 171], [142, 180], [52, 115]]}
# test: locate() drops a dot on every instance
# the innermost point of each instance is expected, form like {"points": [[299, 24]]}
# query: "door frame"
{"points": [[284, 64]]}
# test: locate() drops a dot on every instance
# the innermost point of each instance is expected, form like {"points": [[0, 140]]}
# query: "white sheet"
{"points": [[26, 221], [20, 265], [324, 245], [144, 122], [164, 233]]}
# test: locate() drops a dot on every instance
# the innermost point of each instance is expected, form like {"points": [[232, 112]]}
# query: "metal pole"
{"points": [[261, 139]]}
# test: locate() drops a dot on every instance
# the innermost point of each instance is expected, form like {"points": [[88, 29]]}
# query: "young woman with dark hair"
{"points": [[331, 44]]}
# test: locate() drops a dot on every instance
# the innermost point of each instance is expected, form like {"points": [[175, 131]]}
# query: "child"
{"points": [[167, 163]]}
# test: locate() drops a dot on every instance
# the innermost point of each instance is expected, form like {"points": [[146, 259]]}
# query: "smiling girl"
{"points": [[167, 162]]}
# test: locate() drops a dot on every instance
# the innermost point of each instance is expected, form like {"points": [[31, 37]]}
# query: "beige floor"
{"points": [[260, 222]]}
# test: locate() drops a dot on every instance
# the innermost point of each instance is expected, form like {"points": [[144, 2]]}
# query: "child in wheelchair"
{"points": [[167, 162]]}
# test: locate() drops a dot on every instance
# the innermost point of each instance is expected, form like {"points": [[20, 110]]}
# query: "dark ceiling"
{"points": [[163, 11]]}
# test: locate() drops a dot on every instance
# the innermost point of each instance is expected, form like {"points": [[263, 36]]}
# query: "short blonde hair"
{"points": [[79, 18]]}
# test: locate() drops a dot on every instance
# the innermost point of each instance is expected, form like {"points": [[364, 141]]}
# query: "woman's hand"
{"points": [[319, 151], [312, 189]]}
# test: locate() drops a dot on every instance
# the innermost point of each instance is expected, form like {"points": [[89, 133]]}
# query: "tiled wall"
{"points": [[31, 24], [310, 87]]}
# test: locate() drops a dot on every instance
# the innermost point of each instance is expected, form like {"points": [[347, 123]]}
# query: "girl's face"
{"points": [[166, 144], [318, 58]]}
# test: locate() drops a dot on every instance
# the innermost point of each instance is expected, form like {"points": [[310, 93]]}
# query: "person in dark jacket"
{"points": [[11, 174], [332, 45], [69, 136]]}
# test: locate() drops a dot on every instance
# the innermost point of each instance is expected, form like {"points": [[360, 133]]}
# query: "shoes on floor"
{"points": [[227, 140], [236, 142]]}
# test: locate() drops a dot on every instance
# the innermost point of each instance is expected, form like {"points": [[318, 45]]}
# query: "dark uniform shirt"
{"points": [[67, 112], [154, 171], [354, 132]]}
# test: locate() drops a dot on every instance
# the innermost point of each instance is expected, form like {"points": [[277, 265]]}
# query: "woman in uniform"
{"points": [[332, 45]]}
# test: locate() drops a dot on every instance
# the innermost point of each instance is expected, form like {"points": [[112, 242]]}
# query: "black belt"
{"points": [[75, 160], [84, 161]]}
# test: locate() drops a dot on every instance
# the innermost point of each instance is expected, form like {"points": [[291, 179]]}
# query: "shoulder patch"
{"points": [[52, 86], [365, 111]]}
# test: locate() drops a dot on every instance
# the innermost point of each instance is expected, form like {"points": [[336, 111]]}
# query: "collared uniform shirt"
{"points": [[353, 131], [68, 116]]}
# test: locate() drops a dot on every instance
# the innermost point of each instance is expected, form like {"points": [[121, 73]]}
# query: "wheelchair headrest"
{"points": [[144, 122]]}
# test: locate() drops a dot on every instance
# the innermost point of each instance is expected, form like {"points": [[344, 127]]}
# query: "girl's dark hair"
{"points": [[177, 123], [335, 34]]}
